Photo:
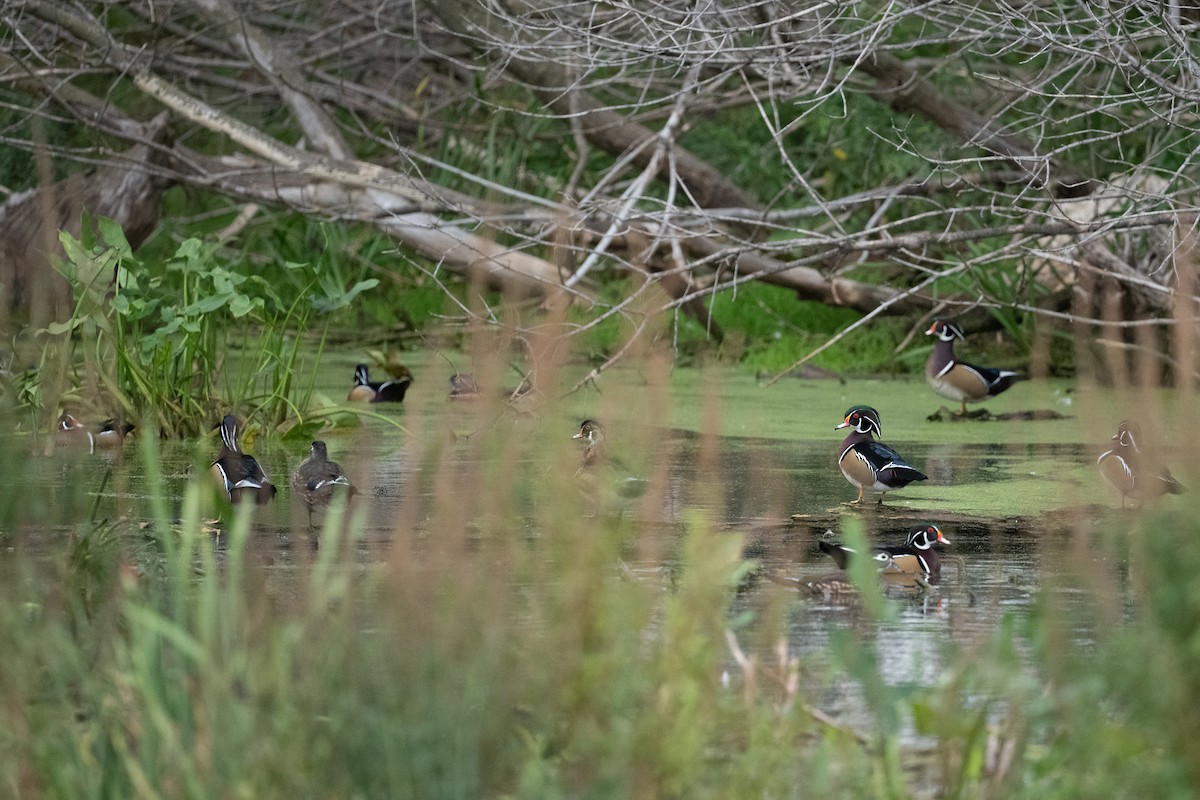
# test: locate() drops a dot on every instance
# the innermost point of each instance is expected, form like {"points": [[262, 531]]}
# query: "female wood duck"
{"points": [[462, 386], [869, 464], [594, 457], [106, 435], [915, 556], [836, 587], [1130, 472], [238, 473], [367, 391], [958, 380], [592, 433], [317, 478]]}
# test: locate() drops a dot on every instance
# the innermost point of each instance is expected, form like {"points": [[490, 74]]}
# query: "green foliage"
{"points": [[777, 330], [162, 345], [838, 141]]}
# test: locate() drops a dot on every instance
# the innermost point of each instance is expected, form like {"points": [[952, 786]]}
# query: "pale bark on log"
{"points": [[278, 66], [448, 246], [322, 185], [806, 282]]}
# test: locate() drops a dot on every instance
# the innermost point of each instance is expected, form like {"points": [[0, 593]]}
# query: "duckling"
{"points": [[462, 386], [836, 587]]}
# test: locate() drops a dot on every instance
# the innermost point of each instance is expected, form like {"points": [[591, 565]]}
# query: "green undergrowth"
{"points": [[182, 340], [181, 332], [504, 648], [761, 327]]}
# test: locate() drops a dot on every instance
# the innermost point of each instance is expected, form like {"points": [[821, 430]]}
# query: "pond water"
{"points": [[774, 457]]}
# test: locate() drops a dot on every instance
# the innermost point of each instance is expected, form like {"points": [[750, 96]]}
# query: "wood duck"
{"points": [[958, 380], [317, 478], [463, 387], [105, 435], [73, 433], [594, 457], [111, 434], [1130, 472], [238, 473], [367, 391], [836, 587], [592, 433], [869, 464], [915, 556]]}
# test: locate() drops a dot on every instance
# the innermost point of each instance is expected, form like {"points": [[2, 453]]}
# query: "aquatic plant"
{"points": [[180, 341]]}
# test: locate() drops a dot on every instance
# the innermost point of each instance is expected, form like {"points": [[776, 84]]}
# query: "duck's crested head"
{"points": [[229, 431], [1128, 432], [590, 430], [946, 330], [863, 419], [925, 536], [67, 422]]}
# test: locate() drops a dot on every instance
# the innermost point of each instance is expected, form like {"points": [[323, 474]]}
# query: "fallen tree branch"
{"points": [[903, 89], [477, 24], [281, 69]]}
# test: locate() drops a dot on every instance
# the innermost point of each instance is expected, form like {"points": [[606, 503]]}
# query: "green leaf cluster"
{"points": [[182, 338]]}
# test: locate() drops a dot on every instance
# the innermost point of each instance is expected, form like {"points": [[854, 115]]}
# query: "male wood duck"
{"points": [[869, 464], [594, 457], [105, 435], [73, 433], [915, 556], [367, 391], [317, 478], [238, 473], [958, 380], [1128, 470]]}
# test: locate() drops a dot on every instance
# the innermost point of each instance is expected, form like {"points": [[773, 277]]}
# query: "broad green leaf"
{"points": [[241, 305], [206, 305], [114, 236], [333, 302], [57, 328]]}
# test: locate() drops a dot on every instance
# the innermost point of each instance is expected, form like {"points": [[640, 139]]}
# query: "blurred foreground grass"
{"points": [[501, 650]]}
